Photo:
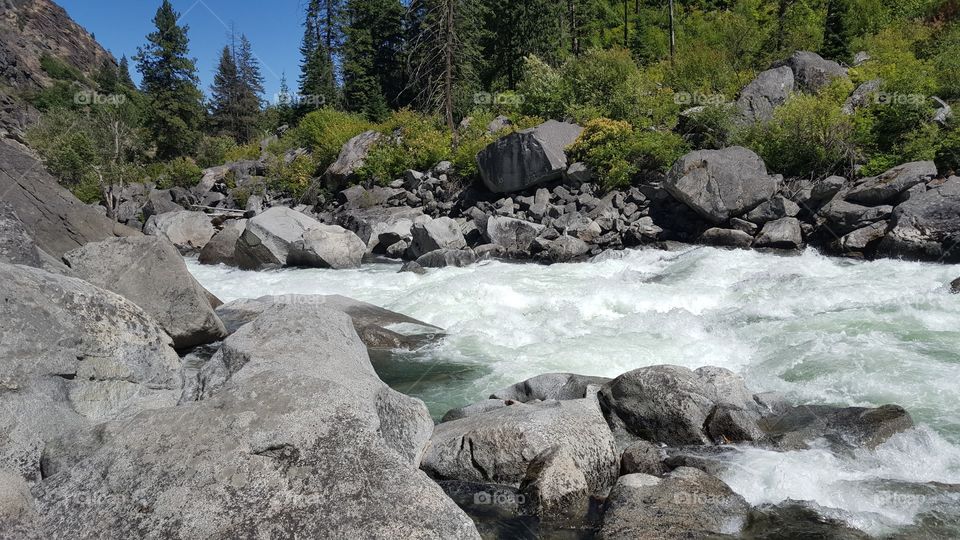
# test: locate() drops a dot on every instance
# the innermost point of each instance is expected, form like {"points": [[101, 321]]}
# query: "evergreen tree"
{"points": [[372, 69], [284, 105], [321, 36], [170, 83], [836, 32], [123, 73], [108, 77], [518, 29], [250, 97], [225, 114]]}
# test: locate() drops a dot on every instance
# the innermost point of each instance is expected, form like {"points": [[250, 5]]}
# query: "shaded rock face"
{"points": [[527, 158], [269, 238], [381, 228], [721, 184], [351, 158], [687, 503], [672, 404], [642, 457], [330, 440], [108, 360], [440, 233], [767, 91], [188, 231], [716, 236], [221, 249], [887, 187], [926, 226], [54, 218], [795, 519], [850, 427], [151, 273], [16, 246], [498, 446], [549, 386], [442, 258], [555, 488]]}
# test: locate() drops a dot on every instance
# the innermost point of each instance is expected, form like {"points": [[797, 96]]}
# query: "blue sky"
{"points": [[273, 28]]}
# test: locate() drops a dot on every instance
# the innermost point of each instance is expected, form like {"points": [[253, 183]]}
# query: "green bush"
{"points": [[59, 95], [710, 128], [213, 151], [325, 131], [947, 155], [59, 70], [474, 137], [411, 141], [293, 178], [244, 152], [616, 153], [179, 172]]}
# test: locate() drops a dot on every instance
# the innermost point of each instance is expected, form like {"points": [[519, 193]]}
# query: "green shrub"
{"points": [[616, 153], [293, 178], [325, 131], [59, 95], [213, 151], [59, 70], [710, 128], [947, 155], [244, 152], [179, 172], [411, 141]]}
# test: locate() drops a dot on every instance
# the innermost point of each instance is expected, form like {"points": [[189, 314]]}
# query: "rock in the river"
{"points": [[784, 233], [671, 404], [188, 231], [765, 93], [843, 217], [479, 407], [687, 503], [440, 233], [328, 246], [222, 248], [442, 258], [849, 427], [54, 218], [721, 184], [642, 457], [549, 386], [73, 355], [565, 248], [497, 446], [555, 488], [527, 158], [887, 187], [352, 156], [16, 245], [726, 238], [926, 226], [812, 72], [380, 227], [300, 438], [955, 286], [269, 238], [776, 208], [514, 235], [151, 273]]}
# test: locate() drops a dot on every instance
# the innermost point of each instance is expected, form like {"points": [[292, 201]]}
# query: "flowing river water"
{"points": [[819, 329]]}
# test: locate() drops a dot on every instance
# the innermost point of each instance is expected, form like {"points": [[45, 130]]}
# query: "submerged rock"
{"points": [[849, 427]]}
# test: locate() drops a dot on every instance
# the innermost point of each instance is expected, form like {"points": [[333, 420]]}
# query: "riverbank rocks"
{"points": [[381, 228], [328, 246], [766, 92], [887, 187], [784, 233], [188, 231], [73, 355], [440, 233], [642, 457], [555, 488], [269, 238], [926, 226], [151, 273], [527, 158], [351, 158], [222, 248], [442, 258], [514, 235], [687, 503], [716, 236], [16, 245], [672, 404], [721, 184], [498, 446], [849, 427], [549, 386], [301, 438]]}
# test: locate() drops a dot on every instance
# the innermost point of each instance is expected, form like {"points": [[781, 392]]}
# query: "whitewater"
{"points": [[818, 329]]}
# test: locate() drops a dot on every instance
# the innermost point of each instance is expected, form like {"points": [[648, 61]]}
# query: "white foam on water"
{"points": [[822, 330]]}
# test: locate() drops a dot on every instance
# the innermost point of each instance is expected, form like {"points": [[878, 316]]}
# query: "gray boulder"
{"points": [[18, 517], [564, 249], [498, 446], [16, 245], [642, 457], [721, 184], [151, 273], [861, 239], [555, 488], [327, 246], [812, 72], [269, 238], [926, 226], [887, 187], [159, 201], [687, 503], [776, 208], [440, 233], [514, 235], [351, 158], [222, 248], [726, 238], [849, 427], [766, 92], [671, 404], [549, 386], [784, 233], [188, 231], [300, 427], [472, 409], [862, 96], [73, 355], [527, 158], [380, 228], [843, 217], [442, 258]]}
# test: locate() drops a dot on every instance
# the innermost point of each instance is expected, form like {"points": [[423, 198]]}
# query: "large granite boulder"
{"points": [[887, 187], [842, 217], [926, 226], [527, 158], [54, 218], [151, 273], [687, 503], [443, 258], [222, 248], [498, 446], [811, 71], [73, 355], [721, 184], [351, 158], [16, 245], [784, 233], [672, 404], [188, 231], [440, 233], [295, 436], [844, 427], [270, 237], [328, 246], [766, 92]]}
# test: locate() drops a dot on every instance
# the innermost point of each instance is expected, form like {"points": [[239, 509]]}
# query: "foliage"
{"points": [[947, 156], [325, 131], [250, 151], [58, 69], [178, 172], [213, 151], [371, 57], [412, 141], [712, 127], [292, 178]]}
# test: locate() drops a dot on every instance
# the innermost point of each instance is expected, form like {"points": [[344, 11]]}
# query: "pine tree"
{"points": [[123, 73], [321, 36], [518, 29], [108, 77], [372, 70], [836, 32], [225, 97], [284, 105], [170, 82], [250, 97]]}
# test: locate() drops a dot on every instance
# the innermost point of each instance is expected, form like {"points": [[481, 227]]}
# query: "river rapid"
{"points": [[819, 329]]}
